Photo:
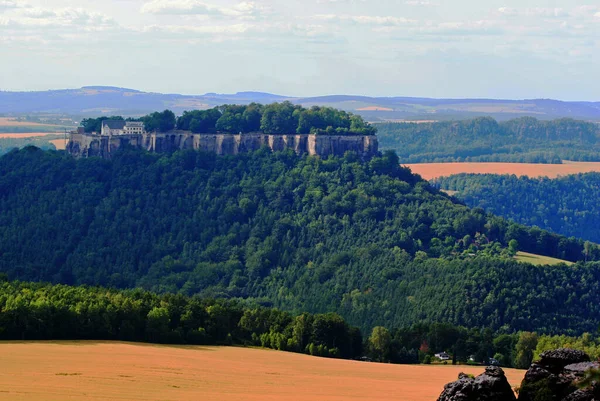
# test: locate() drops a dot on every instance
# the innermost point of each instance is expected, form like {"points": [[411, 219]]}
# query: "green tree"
{"points": [[524, 349], [379, 342]]}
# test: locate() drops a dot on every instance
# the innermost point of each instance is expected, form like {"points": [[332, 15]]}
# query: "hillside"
{"points": [[98, 100], [524, 140], [368, 240], [567, 205]]}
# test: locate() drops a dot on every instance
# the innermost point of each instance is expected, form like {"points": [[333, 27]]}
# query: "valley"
{"points": [[56, 371]]}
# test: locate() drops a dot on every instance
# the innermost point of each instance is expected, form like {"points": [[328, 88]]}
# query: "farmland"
{"points": [[431, 171], [104, 370], [539, 260], [10, 125]]}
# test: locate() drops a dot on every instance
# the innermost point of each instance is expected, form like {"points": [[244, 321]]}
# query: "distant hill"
{"points": [[483, 139], [97, 100], [566, 205]]}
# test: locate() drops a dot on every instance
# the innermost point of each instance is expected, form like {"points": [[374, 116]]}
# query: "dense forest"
{"points": [[524, 140], [566, 205], [34, 311], [368, 240], [276, 118]]}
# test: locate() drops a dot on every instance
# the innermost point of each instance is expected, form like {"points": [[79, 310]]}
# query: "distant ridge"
{"points": [[99, 100]]}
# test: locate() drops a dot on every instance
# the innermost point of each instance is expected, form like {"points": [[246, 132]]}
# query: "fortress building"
{"points": [[117, 134], [121, 127]]}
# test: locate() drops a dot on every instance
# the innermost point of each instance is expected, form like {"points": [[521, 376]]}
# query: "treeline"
{"points": [[276, 118], [566, 205], [368, 240], [421, 342], [486, 140], [35, 311], [8, 144]]}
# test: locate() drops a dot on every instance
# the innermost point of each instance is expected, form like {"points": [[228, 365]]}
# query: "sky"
{"points": [[514, 49]]}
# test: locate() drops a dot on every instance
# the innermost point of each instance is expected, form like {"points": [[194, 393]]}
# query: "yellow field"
{"points": [[28, 134], [59, 144], [122, 371], [435, 170], [539, 260]]}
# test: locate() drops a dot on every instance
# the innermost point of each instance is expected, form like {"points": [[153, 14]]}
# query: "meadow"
{"points": [[539, 260], [36, 371], [431, 171]]}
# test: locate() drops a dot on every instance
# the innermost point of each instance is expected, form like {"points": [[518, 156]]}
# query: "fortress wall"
{"points": [[83, 145]]}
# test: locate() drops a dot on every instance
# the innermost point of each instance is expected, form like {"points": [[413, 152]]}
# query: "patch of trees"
{"points": [[523, 140], [37, 311], [368, 240], [45, 312], [566, 205], [276, 118], [8, 144]]}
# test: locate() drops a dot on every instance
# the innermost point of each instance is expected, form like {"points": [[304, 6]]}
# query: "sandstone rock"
{"points": [[554, 377], [489, 386], [558, 359]]}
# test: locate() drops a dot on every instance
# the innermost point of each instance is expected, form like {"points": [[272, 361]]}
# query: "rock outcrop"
{"points": [[87, 145], [491, 385], [554, 377]]}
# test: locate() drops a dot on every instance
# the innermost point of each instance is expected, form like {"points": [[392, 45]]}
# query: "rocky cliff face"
{"points": [[83, 145]]}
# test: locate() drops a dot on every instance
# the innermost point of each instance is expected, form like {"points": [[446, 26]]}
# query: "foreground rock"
{"points": [[554, 377], [489, 386]]}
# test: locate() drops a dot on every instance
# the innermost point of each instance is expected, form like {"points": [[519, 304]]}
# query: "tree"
{"points": [[161, 122], [513, 247], [524, 349], [380, 342], [157, 326]]}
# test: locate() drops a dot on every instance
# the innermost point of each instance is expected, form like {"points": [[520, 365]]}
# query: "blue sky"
{"points": [[429, 48]]}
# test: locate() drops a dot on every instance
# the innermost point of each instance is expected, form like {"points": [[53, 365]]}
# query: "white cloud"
{"points": [[421, 3], [366, 19], [8, 4], [196, 7]]}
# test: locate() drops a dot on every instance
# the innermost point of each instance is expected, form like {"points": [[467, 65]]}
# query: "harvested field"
{"points": [[435, 170], [375, 108], [109, 371], [59, 144], [29, 134]]}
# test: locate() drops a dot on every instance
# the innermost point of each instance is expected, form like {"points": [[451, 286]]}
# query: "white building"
{"points": [[121, 127]]}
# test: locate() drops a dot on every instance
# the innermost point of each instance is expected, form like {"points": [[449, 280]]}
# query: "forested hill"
{"points": [[486, 140], [566, 205], [368, 240]]}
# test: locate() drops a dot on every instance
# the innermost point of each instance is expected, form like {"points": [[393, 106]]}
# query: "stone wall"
{"points": [[84, 145]]}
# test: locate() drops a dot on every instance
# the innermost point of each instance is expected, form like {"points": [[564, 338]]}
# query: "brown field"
{"points": [[28, 134], [374, 108], [435, 170], [121, 371], [59, 144]]}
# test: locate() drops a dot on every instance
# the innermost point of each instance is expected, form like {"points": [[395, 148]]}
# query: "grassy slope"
{"points": [[539, 260]]}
